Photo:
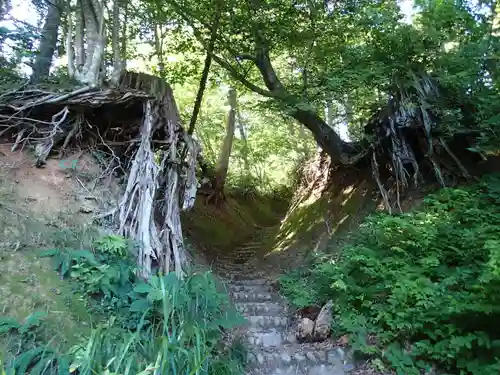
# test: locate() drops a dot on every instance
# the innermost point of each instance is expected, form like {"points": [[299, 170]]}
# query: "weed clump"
{"points": [[419, 289]]}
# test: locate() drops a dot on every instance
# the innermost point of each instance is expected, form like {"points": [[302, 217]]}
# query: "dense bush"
{"points": [[421, 288], [167, 325]]}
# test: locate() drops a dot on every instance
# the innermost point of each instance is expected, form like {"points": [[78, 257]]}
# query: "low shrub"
{"points": [[420, 288]]}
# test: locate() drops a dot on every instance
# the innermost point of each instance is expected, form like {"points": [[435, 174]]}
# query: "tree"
{"points": [[48, 41], [223, 162], [206, 68], [256, 30]]}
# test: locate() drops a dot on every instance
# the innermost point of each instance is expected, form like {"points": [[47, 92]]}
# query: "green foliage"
{"points": [[106, 270], [180, 330], [169, 324], [419, 288], [33, 356]]}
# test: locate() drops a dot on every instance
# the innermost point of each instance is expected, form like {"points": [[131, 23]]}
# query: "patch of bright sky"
{"points": [[22, 10]]}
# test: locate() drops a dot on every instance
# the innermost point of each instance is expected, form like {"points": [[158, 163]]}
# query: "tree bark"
{"points": [[325, 136], [243, 137], [48, 42], [69, 44], [124, 39], [79, 47], [206, 69], [93, 15], [115, 43], [223, 161]]}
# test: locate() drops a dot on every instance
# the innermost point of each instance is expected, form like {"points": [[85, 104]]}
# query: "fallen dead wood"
{"points": [[139, 128]]}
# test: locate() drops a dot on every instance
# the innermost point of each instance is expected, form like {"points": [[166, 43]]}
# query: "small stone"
{"points": [[332, 357], [323, 322], [260, 358], [285, 357], [305, 329], [291, 338], [277, 321], [299, 357], [270, 357], [341, 354], [321, 355], [348, 367], [310, 356], [86, 209]]}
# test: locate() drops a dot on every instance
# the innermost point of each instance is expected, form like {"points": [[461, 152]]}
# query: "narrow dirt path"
{"points": [[272, 346]]}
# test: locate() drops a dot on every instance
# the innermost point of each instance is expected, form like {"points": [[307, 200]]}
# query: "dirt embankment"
{"points": [[332, 201], [41, 208]]}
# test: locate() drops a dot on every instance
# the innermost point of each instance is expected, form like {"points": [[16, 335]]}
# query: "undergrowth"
{"points": [[420, 289], [164, 326]]}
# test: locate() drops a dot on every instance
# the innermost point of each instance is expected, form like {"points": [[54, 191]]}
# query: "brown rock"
{"points": [[305, 329], [323, 322]]}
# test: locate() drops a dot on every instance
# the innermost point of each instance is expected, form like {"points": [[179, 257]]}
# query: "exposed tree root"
{"points": [[142, 134]]}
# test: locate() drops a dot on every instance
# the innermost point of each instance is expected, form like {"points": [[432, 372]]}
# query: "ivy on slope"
{"points": [[419, 289]]}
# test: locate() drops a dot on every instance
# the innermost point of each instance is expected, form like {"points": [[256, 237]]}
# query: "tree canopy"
{"points": [[324, 66]]}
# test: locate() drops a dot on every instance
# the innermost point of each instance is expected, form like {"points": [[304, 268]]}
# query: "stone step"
{"points": [[254, 297], [237, 259], [269, 338], [233, 276], [251, 288], [304, 370], [260, 308], [251, 282], [268, 321], [302, 357]]}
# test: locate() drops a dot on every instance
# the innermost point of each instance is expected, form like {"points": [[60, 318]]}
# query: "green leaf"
{"points": [[140, 305], [142, 288]]}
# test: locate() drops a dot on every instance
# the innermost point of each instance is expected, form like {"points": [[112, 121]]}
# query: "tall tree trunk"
{"points": [[69, 44], [243, 136], [48, 42], [206, 68], [227, 145], [124, 39], [93, 15], [117, 42], [79, 47]]}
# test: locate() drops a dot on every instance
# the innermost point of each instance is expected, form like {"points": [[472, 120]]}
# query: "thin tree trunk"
{"points": [[223, 161], [79, 47], [206, 69], [243, 137], [115, 43], [48, 42], [69, 44], [124, 39]]}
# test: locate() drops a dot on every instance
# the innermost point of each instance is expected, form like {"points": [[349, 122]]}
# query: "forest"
{"points": [[211, 116]]}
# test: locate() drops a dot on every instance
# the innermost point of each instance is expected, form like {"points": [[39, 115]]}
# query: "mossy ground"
{"points": [[223, 227]]}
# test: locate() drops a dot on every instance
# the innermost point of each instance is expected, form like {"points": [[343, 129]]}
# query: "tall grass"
{"points": [[180, 332]]}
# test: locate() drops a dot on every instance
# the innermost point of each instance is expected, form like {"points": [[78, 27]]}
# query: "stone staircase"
{"points": [[271, 343]]}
